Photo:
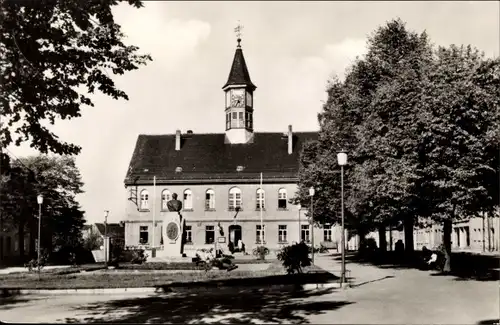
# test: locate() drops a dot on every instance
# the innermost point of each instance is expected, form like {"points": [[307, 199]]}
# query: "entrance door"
{"points": [[234, 234]]}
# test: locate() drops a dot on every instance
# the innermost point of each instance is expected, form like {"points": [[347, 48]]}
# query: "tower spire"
{"points": [[237, 31], [239, 98]]}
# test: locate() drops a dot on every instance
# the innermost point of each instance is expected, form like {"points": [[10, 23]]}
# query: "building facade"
{"points": [[9, 246], [475, 234], [233, 185]]}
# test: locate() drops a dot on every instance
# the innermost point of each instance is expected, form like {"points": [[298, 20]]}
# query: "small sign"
{"points": [[222, 240]]}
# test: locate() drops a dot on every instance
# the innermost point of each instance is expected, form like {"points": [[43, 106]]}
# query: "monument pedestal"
{"points": [[173, 229]]}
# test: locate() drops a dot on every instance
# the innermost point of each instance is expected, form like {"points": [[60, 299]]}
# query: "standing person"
{"points": [[240, 245]]}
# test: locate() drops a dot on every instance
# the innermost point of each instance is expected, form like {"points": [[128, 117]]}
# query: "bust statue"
{"points": [[174, 205]]}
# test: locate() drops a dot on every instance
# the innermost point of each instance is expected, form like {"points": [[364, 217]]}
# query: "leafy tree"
{"points": [[365, 115], [421, 128], [461, 149], [51, 51], [59, 181], [93, 241], [389, 133]]}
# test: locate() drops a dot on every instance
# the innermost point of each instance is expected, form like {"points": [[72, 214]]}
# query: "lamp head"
{"points": [[311, 191], [106, 213], [39, 199], [342, 158], [299, 206]]}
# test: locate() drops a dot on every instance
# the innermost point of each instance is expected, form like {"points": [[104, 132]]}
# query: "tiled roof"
{"points": [[205, 157], [239, 73], [113, 229]]}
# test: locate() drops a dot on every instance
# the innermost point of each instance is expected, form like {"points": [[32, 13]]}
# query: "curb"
{"points": [[6, 292], [17, 292]]}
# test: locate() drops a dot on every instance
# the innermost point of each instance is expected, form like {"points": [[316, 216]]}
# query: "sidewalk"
{"points": [[20, 269], [356, 274]]}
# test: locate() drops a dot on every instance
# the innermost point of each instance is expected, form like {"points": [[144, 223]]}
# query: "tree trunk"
{"points": [[362, 237], [408, 228], [390, 237], [382, 238], [1, 232], [447, 228]]}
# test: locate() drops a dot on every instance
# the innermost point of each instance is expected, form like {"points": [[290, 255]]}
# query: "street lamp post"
{"points": [[342, 160], [311, 194], [106, 244], [299, 206], [39, 199]]}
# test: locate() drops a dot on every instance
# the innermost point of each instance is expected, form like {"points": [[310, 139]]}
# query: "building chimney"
{"points": [[177, 140], [290, 140]]}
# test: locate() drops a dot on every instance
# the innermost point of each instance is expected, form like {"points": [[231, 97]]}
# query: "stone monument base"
{"points": [[173, 229]]}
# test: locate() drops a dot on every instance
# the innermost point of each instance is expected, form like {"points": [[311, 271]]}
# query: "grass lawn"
{"points": [[274, 275], [183, 265], [67, 270]]}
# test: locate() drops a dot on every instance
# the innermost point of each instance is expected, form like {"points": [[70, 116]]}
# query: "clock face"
{"points": [[237, 98]]}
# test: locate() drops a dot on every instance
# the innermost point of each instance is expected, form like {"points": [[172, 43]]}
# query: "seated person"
{"points": [[432, 260]]}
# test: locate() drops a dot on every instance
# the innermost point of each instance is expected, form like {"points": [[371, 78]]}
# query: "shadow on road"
{"points": [[319, 276], [464, 266], [7, 303], [376, 280], [280, 304], [489, 322]]}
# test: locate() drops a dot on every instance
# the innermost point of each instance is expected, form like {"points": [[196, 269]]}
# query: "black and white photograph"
{"points": [[250, 162]]}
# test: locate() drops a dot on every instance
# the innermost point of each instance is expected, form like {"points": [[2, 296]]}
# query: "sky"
{"points": [[291, 50]]}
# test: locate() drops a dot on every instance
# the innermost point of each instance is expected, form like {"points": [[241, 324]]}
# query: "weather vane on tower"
{"points": [[238, 30]]}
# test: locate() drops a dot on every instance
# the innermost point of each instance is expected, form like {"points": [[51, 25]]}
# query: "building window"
{"points": [[234, 120], [260, 234], [327, 233], [144, 200], [282, 198], [210, 200], [248, 120], [234, 199], [165, 197], [282, 234], [260, 202], [241, 122], [189, 234], [228, 121], [143, 235], [188, 200], [209, 235], [305, 233]]}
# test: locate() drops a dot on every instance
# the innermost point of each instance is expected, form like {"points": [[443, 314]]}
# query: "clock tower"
{"points": [[239, 91]]}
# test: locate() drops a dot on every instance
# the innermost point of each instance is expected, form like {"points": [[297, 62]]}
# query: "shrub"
{"points": [[260, 252], [295, 257], [139, 257], [116, 249], [32, 265], [320, 249], [368, 246], [92, 242]]}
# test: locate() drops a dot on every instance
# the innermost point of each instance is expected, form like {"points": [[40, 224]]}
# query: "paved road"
{"points": [[383, 296]]}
